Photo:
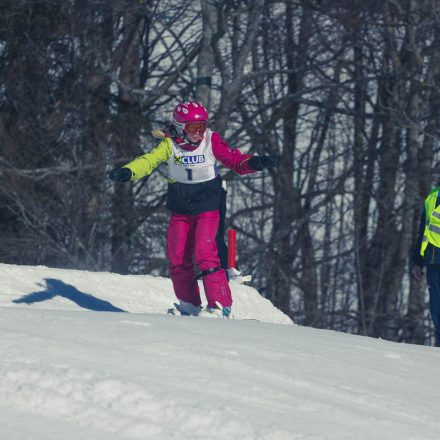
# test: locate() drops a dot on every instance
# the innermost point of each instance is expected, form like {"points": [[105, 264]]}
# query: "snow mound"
{"points": [[65, 289], [105, 374]]}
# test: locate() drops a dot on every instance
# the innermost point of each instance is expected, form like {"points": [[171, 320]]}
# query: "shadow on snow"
{"points": [[58, 288]]}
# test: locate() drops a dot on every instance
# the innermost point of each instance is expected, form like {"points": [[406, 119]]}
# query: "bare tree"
{"points": [[345, 93]]}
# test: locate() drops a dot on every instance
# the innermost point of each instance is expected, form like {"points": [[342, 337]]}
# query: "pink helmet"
{"points": [[186, 113]]}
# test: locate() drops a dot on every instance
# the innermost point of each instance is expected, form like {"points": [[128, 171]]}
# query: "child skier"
{"points": [[191, 150]]}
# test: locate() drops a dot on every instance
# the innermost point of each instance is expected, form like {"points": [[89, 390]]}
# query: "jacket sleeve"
{"points": [[416, 258], [144, 165], [233, 159]]}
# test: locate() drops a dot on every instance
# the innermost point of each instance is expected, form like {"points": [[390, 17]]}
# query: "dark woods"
{"points": [[345, 92]]}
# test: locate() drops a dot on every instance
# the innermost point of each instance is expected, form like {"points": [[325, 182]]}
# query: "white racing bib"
{"points": [[194, 166]]}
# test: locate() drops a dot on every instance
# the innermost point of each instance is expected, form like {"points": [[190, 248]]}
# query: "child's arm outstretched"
{"points": [[143, 165], [237, 161]]}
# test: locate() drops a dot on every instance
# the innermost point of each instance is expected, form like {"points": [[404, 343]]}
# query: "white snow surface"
{"points": [[87, 355]]}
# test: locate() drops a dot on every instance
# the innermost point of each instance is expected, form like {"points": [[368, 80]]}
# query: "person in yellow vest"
{"points": [[427, 253]]}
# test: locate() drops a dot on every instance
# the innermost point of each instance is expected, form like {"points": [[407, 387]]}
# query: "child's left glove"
{"points": [[120, 174], [257, 163]]}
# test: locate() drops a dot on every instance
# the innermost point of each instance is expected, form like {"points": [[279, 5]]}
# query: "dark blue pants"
{"points": [[433, 278]]}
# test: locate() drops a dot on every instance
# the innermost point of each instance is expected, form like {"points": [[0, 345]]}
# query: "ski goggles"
{"points": [[195, 127]]}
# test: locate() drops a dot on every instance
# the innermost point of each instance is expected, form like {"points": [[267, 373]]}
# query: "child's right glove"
{"points": [[257, 163], [120, 174]]}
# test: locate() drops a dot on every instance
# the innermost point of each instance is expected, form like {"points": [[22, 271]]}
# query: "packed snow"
{"points": [[87, 355]]}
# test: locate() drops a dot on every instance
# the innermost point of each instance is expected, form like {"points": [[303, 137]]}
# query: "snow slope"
{"points": [[88, 355], [43, 287]]}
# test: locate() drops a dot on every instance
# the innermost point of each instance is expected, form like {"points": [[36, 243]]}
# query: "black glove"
{"points": [[257, 163], [120, 174]]}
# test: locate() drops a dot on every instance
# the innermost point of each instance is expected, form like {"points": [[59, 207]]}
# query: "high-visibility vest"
{"points": [[432, 226]]}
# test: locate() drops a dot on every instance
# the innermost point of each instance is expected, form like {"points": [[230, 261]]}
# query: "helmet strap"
{"points": [[173, 131]]}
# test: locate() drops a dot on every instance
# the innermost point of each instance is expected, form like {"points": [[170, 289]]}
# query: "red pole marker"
{"points": [[232, 248]]}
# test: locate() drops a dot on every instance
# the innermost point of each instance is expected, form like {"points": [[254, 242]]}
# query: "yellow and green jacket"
{"points": [[187, 196], [427, 249], [144, 165]]}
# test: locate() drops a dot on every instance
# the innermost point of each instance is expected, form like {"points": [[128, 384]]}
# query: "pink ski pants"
{"points": [[194, 236]]}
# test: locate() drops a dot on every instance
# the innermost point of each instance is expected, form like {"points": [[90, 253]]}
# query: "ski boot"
{"points": [[185, 309], [218, 311]]}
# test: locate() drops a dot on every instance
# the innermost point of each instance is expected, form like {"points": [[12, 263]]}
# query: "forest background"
{"points": [[345, 92]]}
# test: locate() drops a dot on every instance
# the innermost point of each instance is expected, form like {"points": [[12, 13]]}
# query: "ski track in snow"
{"points": [[108, 404]]}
